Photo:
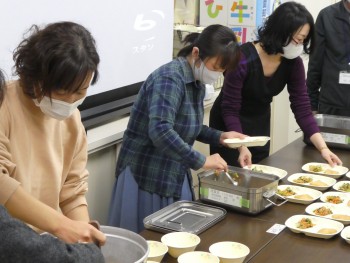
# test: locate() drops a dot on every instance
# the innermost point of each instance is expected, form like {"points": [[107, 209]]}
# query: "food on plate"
{"points": [[305, 223], [304, 197], [315, 168], [323, 211], [256, 169], [327, 231], [341, 217], [334, 199], [318, 183], [345, 187], [303, 179], [286, 192], [329, 171]]}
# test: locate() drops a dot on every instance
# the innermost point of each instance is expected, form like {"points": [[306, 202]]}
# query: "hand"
{"points": [[215, 162], [245, 156], [73, 231], [330, 157], [231, 135]]}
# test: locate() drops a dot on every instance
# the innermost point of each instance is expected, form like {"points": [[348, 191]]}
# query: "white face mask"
{"points": [[292, 50], [205, 75], [57, 109]]}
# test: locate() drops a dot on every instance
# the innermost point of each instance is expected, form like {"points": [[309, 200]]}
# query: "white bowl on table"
{"points": [[157, 250], [229, 252], [180, 242]]}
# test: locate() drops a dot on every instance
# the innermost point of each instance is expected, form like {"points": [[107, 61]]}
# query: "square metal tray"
{"points": [[334, 129], [185, 216]]}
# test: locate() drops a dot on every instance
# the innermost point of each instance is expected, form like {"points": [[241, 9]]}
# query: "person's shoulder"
{"points": [[331, 9], [11, 91], [178, 70], [12, 86]]}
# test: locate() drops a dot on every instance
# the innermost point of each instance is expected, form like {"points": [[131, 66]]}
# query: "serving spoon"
{"points": [[230, 178]]}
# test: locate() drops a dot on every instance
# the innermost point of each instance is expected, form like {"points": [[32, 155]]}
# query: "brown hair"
{"points": [[58, 57]]}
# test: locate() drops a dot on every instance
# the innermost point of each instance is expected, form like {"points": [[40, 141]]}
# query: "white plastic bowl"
{"points": [[180, 242], [198, 257], [229, 252], [157, 250]]}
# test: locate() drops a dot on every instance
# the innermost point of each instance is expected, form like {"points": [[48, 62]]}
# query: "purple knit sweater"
{"points": [[247, 92]]}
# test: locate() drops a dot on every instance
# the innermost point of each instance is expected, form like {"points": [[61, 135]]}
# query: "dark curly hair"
{"points": [[214, 41], [279, 28], [57, 57]]}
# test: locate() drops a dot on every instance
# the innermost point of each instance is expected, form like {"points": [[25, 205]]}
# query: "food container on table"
{"points": [[334, 129], [185, 216], [253, 193], [124, 246]]}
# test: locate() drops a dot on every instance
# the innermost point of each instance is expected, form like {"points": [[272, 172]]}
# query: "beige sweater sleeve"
{"points": [[75, 186], [8, 185]]}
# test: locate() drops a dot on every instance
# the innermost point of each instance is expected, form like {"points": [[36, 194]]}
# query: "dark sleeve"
{"points": [[19, 243], [209, 135], [300, 103], [314, 72], [232, 95]]}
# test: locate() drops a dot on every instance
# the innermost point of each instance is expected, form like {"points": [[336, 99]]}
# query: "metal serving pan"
{"points": [[252, 193], [334, 129], [186, 216]]}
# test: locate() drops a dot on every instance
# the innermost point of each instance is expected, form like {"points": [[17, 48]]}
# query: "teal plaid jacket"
{"points": [[165, 121]]}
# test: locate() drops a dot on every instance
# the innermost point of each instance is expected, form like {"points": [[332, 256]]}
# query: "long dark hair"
{"points": [[214, 41], [58, 57], [282, 24]]}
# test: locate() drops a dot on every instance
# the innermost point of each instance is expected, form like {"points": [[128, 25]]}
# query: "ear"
{"points": [[38, 93], [195, 53]]}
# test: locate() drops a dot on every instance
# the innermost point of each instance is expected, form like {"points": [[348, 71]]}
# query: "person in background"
{"points": [[328, 75], [153, 168], [266, 67], [43, 145]]}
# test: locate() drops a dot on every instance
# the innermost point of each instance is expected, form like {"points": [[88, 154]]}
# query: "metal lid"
{"points": [[186, 216]]}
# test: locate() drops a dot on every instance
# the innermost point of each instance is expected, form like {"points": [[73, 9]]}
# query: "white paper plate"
{"points": [[248, 141], [300, 190], [267, 170], [336, 210], [344, 197], [339, 184], [345, 234], [314, 178], [340, 170], [319, 223], [347, 174]]}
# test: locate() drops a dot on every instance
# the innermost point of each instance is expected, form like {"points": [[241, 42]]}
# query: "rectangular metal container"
{"points": [[251, 194], [185, 216], [334, 129]]}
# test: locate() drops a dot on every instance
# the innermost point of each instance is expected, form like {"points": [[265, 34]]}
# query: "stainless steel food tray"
{"points": [[253, 193], [187, 216], [334, 129]]}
